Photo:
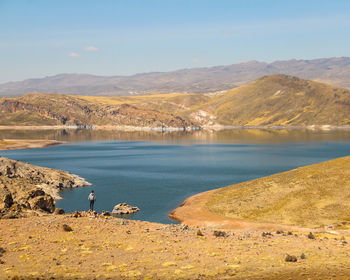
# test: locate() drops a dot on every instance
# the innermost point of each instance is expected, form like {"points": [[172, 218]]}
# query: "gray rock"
{"points": [[45, 203], [219, 233], [2, 251], [311, 236], [59, 211], [76, 214], [31, 188], [290, 258], [124, 209], [67, 228]]}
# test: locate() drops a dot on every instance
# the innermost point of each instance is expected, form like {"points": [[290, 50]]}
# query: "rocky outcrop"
{"points": [[124, 209], [27, 190], [45, 109]]}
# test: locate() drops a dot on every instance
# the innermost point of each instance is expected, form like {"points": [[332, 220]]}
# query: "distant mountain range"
{"points": [[275, 100], [335, 71]]}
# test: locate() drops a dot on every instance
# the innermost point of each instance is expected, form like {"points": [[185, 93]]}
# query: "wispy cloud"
{"points": [[73, 54], [195, 60], [91, 49]]}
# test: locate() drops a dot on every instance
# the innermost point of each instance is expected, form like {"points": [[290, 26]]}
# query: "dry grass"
{"points": [[282, 100], [109, 248], [311, 196]]}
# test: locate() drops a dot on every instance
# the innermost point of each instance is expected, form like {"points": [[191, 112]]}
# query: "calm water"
{"points": [[158, 174]]}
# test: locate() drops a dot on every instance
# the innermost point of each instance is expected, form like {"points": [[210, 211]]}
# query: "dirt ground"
{"points": [[112, 248]]}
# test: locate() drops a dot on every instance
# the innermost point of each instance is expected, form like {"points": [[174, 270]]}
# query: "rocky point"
{"points": [[27, 190]]}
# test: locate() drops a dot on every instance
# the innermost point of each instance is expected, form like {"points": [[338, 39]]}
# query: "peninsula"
{"points": [[315, 196]]}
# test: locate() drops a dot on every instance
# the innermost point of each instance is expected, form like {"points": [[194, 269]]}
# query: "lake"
{"points": [[157, 171]]}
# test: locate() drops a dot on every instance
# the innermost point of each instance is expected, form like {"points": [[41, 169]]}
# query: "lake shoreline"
{"points": [[218, 127], [193, 212], [149, 250], [221, 207]]}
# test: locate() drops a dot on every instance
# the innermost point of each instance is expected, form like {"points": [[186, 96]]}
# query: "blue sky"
{"points": [[46, 37]]}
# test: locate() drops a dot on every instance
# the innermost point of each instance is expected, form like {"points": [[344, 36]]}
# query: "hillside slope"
{"points": [[197, 80], [282, 100], [49, 109], [276, 100], [311, 196]]}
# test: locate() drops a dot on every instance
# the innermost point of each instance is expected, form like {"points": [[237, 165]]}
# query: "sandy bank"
{"points": [[16, 144], [193, 212]]}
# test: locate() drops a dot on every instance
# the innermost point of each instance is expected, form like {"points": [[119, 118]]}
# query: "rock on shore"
{"points": [[27, 189], [124, 209]]}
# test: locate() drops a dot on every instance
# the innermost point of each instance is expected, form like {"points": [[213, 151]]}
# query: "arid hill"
{"points": [[282, 100], [314, 196], [334, 70], [276, 100], [50, 109]]}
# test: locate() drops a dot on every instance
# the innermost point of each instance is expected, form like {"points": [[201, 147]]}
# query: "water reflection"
{"points": [[223, 136]]}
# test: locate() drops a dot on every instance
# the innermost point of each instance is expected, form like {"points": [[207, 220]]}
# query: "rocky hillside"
{"points": [[45, 109], [335, 71], [26, 189], [269, 101]]}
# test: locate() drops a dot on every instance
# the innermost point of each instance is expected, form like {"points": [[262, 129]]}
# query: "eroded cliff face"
{"points": [[27, 189], [49, 109]]}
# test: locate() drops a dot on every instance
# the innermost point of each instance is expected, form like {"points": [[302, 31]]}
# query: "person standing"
{"points": [[92, 199]]}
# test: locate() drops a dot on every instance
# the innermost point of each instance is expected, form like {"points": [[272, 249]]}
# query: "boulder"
{"points": [[59, 211], [35, 193], [45, 203], [124, 209], [219, 233], [6, 199], [76, 214], [66, 228], [311, 236], [290, 258]]}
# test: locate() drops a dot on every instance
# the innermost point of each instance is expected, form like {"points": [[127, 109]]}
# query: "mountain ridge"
{"points": [[275, 100], [334, 70]]}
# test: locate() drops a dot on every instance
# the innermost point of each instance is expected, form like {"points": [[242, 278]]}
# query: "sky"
{"points": [[41, 38]]}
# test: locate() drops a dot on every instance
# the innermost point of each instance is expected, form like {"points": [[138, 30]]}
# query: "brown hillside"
{"points": [[53, 109], [282, 100], [312, 196], [272, 100]]}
